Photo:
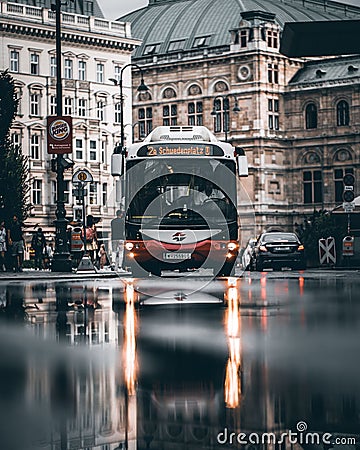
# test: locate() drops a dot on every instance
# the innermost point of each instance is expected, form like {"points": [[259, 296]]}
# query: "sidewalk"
{"points": [[31, 274]]}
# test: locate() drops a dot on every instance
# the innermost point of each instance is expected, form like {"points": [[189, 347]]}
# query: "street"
{"points": [[115, 363]]}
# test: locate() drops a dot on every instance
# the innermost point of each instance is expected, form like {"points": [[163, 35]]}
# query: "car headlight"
{"points": [[262, 248], [301, 247]]}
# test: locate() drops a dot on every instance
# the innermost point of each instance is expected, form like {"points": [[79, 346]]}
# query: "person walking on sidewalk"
{"points": [[2, 246], [16, 242], [117, 239], [38, 243]]}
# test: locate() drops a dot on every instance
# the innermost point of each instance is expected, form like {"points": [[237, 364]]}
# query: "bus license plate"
{"points": [[174, 255]]}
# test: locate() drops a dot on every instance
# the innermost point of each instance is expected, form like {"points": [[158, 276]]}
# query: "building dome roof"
{"points": [[168, 25]]}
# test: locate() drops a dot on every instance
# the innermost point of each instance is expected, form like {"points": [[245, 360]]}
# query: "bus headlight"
{"points": [[129, 246], [232, 246]]}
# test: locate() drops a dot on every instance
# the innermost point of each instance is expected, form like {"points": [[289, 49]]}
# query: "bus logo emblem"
{"points": [[179, 236]]}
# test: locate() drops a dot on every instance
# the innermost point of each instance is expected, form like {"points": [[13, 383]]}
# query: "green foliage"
{"points": [[321, 224], [14, 171]]}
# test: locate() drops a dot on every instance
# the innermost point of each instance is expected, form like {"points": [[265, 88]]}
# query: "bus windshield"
{"points": [[175, 191]]}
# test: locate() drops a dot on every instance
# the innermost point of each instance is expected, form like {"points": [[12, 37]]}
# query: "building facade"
{"points": [[218, 64], [93, 51]]}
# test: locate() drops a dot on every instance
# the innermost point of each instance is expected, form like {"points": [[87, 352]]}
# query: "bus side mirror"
{"points": [[117, 164], [241, 162]]}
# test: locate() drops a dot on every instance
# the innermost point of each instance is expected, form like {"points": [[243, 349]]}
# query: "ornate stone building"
{"points": [[297, 119], [93, 51]]}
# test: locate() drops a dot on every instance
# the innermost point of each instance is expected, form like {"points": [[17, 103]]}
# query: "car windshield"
{"points": [[271, 237]]}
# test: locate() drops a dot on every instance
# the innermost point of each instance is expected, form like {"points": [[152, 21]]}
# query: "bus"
{"points": [[179, 187]]}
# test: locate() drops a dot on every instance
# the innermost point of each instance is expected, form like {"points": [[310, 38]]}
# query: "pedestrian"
{"points": [[2, 246], [117, 239], [38, 243], [91, 241], [48, 255], [16, 242], [102, 256]]}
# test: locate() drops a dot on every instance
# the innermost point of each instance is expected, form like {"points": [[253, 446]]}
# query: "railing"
{"points": [[47, 17]]}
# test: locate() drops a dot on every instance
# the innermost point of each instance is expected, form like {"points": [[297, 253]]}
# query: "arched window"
{"points": [[311, 116], [342, 114]]}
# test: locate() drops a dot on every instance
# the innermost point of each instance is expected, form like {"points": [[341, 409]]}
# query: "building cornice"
{"points": [[66, 36]]}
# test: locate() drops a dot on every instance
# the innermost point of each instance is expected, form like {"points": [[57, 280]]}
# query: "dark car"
{"points": [[278, 249]]}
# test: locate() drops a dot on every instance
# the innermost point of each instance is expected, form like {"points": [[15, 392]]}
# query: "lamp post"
{"points": [[226, 109], [61, 261], [141, 88]]}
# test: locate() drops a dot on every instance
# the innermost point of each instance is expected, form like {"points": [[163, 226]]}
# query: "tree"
{"points": [[14, 170], [321, 224]]}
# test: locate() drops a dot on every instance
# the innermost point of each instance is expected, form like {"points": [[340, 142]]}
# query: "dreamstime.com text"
{"points": [[301, 436]]}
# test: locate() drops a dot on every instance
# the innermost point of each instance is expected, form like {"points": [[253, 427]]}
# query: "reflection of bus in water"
{"points": [[181, 201]]}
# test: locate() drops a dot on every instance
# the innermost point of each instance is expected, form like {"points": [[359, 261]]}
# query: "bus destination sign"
{"points": [[180, 150]]}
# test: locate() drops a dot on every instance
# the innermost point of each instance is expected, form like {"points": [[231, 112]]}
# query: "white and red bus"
{"points": [[180, 189]]}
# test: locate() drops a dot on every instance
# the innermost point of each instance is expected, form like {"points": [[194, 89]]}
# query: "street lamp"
{"points": [[141, 88], [226, 109], [61, 261]]}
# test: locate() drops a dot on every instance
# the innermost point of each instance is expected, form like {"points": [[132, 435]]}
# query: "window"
{"points": [[35, 146], [68, 106], [18, 94], [53, 66], [82, 107], [145, 121], [53, 105], [117, 73], [82, 70], [79, 154], [151, 49], [93, 193], [339, 184], [176, 45], [169, 115], [195, 113], [37, 192], [100, 72], [104, 194], [89, 8], [34, 64], [103, 152], [273, 73], [117, 112], [201, 41], [342, 114], [67, 191], [93, 151], [311, 116], [273, 116], [14, 61], [34, 104], [242, 38], [68, 67], [272, 39], [312, 186], [16, 138], [100, 106], [221, 117]]}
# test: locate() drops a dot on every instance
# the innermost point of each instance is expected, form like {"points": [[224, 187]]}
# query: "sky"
{"points": [[113, 9]]}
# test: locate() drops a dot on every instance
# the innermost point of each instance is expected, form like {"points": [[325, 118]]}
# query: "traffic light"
{"points": [[349, 182]]}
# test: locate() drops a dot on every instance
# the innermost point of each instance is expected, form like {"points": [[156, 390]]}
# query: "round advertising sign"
{"points": [[59, 129]]}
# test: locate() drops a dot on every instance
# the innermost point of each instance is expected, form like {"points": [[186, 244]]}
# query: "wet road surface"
{"points": [[109, 364]]}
